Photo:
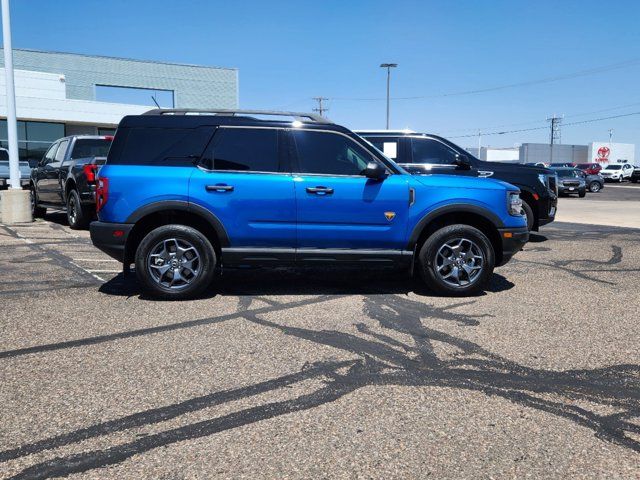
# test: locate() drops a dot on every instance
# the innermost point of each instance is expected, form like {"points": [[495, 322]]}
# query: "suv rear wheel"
{"points": [[78, 215], [175, 262], [457, 260]]}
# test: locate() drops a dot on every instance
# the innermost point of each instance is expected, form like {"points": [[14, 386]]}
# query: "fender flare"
{"points": [[451, 208], [184, 206]]}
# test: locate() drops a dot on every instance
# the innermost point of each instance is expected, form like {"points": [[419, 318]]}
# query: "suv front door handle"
{"points": [[219, 188], [320, 190]]}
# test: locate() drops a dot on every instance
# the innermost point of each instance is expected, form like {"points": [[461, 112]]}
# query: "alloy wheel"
{"points": [[174, 263], [459, 262]]}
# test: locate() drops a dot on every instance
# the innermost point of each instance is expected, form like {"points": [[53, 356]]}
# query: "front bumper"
{"points": [[513, 239], [111, 238], [547, 208]]}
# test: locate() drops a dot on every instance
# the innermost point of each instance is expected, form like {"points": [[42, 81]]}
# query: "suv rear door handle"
{"points": [[219, 188], [320, 190]]}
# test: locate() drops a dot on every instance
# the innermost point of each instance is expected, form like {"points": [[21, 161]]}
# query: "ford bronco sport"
{"points": [[184, 192]]}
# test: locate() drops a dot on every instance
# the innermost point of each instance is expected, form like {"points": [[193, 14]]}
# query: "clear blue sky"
{"points": [[290, 51]]}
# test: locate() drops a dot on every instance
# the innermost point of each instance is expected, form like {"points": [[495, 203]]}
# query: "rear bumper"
{"points": [[513, 239], [111, 238]]}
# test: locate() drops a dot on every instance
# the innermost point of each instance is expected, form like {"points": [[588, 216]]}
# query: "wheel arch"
{"points": [[161, 213], [482, 219]]}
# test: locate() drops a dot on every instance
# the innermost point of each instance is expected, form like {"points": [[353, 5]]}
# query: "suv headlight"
{"points": [[514, 204]]}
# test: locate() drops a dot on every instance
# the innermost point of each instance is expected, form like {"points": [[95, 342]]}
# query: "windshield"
{"points": [[91, 147], [587, 165], [614, 167]]}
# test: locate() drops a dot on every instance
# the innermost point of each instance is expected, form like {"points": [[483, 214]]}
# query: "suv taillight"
{"points": [[102, 193], [90, 172]]}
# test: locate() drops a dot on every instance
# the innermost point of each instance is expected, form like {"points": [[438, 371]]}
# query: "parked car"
{"points": [[65, 178], [25, 170], [560, 165], [635, 175], [570, 181], [183, 194], [595, 183], [617, 172], [430, 154], [590, 168]]}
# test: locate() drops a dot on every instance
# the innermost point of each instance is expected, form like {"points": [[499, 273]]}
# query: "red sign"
{"points": [[603, 155]]}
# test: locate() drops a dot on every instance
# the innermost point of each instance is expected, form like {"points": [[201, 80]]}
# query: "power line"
{"points": [[580, 73], [545, 127], [533, 122]]}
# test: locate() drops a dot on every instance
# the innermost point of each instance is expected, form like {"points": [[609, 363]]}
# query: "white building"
{"points": [[59, 94], [606, 153]]}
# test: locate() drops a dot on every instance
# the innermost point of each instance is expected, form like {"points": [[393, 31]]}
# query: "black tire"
{"points": [[634, 180], [189, 284], [595, 187], [429, 259], [582, 193], [528, 211], [36, 211], [620, 180], [78, 215]]}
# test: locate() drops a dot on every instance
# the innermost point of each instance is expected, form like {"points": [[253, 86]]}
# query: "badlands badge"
{"points": [[389, 215]]}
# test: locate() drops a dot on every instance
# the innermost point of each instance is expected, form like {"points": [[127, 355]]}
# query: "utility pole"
{"points": [[479, 144], [555, 132], [610, 136], [321, 109], [388, 66], [16, 205]]}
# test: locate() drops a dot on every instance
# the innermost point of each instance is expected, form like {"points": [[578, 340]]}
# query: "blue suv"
{"points": [[184, 192]]}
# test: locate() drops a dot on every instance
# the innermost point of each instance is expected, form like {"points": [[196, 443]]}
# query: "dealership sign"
{"points": [[606, 153]]}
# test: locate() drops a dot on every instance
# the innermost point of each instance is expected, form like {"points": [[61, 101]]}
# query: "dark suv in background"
{"points": [[65, 178], [428, 154]]}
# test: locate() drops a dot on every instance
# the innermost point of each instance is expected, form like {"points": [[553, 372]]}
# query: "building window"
{"points": [[106, 131], [135, 96], [34, 138]]}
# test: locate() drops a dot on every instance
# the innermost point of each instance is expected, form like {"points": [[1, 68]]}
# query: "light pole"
{"points": [[16, 206], [388, 66]]}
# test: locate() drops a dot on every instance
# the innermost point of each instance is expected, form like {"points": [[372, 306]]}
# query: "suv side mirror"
{"points": [[374, 171], [462, 162]]}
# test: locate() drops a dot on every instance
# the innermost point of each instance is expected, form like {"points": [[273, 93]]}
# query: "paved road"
{"points": [[617, 205], [316, 375]]}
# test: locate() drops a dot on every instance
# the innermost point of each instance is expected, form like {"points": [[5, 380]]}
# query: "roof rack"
{"points": [[302, 117]]}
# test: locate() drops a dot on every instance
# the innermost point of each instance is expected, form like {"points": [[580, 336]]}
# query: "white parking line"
{"points": [[95, 260], [104, 271]]}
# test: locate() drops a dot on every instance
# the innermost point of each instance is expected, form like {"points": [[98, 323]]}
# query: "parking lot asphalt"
{"points": [[320, 374]]}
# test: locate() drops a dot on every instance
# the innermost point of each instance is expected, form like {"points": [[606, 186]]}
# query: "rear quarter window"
{"points": [[159, 146]]}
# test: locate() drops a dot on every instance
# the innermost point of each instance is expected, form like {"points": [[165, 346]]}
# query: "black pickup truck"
{"points": [[421, 153], [65, 177]]}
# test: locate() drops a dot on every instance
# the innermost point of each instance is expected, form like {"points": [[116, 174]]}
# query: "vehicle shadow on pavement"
{"points": [[319, 281], [398, 349]]}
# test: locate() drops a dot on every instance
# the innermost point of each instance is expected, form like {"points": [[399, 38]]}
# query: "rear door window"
{"points": [[245, 150], [163, 146]]}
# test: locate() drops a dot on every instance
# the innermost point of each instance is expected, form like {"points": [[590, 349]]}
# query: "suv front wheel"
{"points": [[457, 260], [175, 262]]}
